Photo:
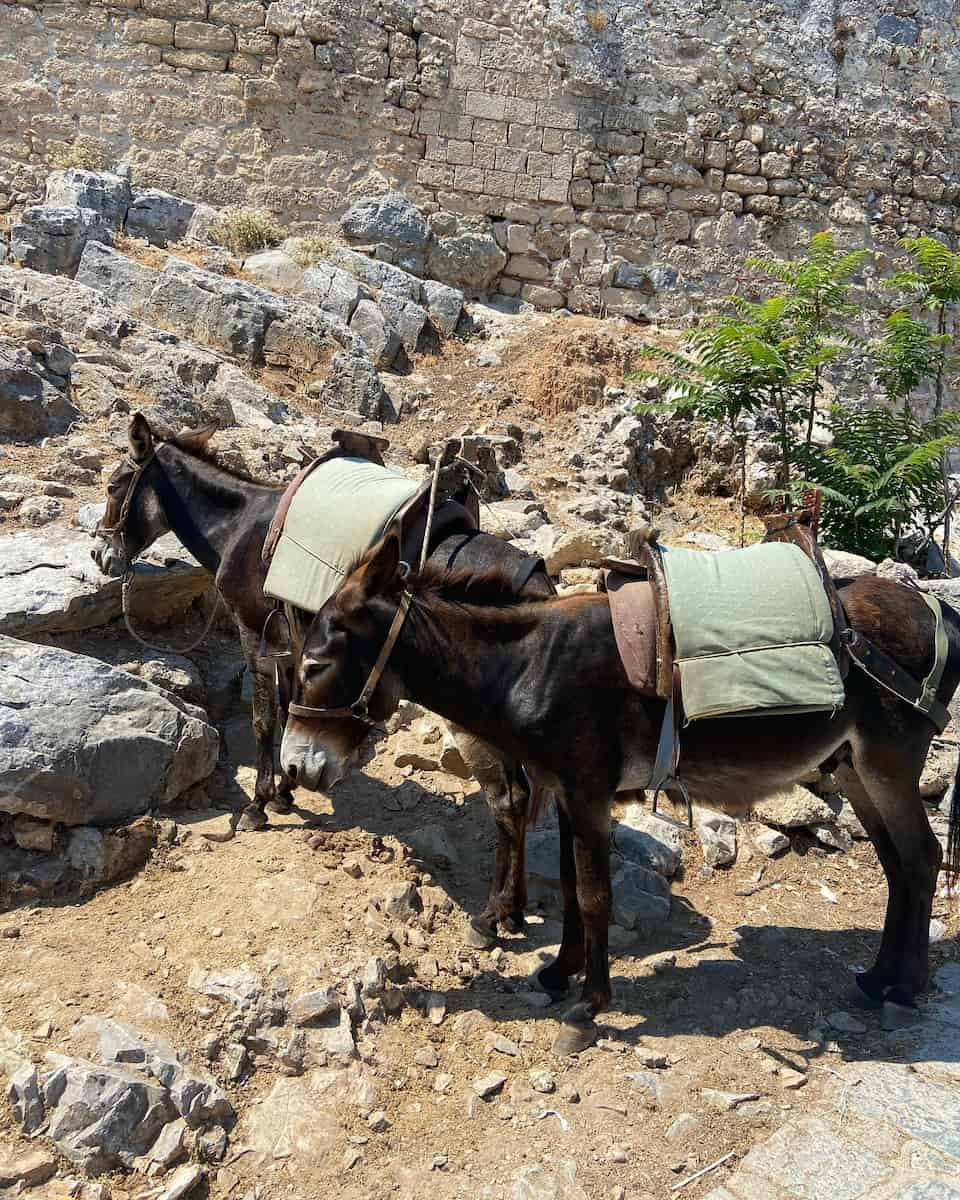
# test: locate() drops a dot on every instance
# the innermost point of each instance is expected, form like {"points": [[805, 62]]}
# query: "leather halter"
{"points": [[138, 470], [359, 709]]}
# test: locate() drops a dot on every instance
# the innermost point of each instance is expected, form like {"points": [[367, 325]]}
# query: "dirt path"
{"points": [[748, 978]]}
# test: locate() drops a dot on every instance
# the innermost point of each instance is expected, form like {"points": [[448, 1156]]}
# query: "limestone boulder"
{"points": [[31, 404], [70, 307], [468, 260], [50, 584], [354, 385], [100, 192], [159, 217], [391, 219], [376, 332], [843, 565], [274, 269], [51, 240], [792, 808], [84, 744], [126, 281], [333, 289]]}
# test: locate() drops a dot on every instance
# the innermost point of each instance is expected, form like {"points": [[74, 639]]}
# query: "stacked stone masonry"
{"points": [[627, 156]]}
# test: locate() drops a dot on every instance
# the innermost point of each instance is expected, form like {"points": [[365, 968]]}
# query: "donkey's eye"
{"points": [[313, 669]]}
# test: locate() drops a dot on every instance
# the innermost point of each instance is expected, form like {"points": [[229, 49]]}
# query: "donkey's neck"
{"points": [[204, 504], [465, 671]]}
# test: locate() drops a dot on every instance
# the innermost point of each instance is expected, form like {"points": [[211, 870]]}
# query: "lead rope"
{"points": [[126, 589], [425, 548]]}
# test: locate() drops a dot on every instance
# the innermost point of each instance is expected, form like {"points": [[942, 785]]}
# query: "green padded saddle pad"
{"points": [[752, 629], [341, 509]]}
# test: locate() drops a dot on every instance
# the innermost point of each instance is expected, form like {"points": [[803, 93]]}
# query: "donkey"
{"points": [[222, 518], [544, 681]]}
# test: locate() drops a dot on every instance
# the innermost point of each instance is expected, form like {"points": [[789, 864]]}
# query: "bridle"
{"points": [[126, 584], [360, 708], [120, 527]]}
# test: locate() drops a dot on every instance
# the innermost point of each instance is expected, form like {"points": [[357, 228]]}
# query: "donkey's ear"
{"points": [[140, 438], [381, 570], [195, 439], [373, 578]]}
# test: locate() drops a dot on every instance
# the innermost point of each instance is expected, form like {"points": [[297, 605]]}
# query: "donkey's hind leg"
{"points": [[888, 764], [264, 731], [507, 797]]}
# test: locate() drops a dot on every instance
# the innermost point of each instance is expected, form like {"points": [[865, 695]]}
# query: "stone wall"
{"points": [[628, 156]]}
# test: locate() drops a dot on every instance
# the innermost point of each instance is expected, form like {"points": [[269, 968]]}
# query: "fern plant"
{"points": [[729, 367], [934, 284], [816, 305], [906, 355], [880, 478]]}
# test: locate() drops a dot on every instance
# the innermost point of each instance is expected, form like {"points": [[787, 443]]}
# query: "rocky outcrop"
{"points": [[34, 402], [50, 584], [83, 744], [52, 240]]}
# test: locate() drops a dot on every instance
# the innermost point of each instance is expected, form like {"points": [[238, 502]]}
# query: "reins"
{"points": [[126, 586], [360, 708]]}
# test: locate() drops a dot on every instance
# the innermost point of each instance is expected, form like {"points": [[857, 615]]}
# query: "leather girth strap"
{"points": [[882, 669]]}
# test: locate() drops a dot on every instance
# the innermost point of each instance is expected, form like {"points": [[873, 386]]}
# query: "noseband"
{"points": [[126, 586], [119, 528], [360, 708]]}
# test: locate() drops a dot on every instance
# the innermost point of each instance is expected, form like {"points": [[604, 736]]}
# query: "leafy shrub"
{"points": [[246, 230], [880, 478], [312, 248]]}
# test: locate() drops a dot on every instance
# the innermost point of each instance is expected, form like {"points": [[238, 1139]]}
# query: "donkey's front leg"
{"points": [[591, 849], [264, 730]]}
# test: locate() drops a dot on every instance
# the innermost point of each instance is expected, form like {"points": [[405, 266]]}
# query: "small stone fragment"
{"points": [[27, 1170], [542, 1081], [312, 1006], [185, 1179], [617, 1154], [727, 1101], [684, 1126], [436, 1008], [502, 1045], [771, 842], [487, 1086], [378, 1121], [427, 1057], [792, 1079], [844, 1022]]}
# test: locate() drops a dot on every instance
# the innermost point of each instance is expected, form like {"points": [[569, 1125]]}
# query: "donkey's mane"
{"points": [[491, 588], [189, 443]]}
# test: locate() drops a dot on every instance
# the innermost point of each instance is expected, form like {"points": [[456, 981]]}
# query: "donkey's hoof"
{"points": [[479, 939], [515, 923], [281, 804], [252, 820], [548, 980], [577, 1033], [856, 996], [898, 1016]]}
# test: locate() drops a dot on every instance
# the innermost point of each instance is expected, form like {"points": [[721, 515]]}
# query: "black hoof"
{"points": [[281, 804], [253, 818], [863, 995], [898, 1016], [515, 923], [577, 1033], [553, 982], [480, 937]]}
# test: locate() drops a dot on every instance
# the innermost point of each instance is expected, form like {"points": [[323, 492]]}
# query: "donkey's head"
{"points": [[340, 684], [134, 517]]}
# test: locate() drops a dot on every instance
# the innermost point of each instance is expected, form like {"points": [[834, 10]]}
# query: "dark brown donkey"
{"points": [[222, 518], [544, 681]]}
